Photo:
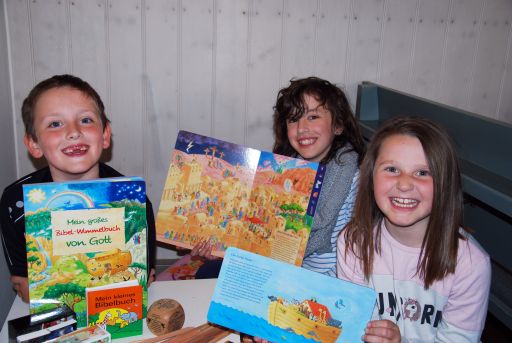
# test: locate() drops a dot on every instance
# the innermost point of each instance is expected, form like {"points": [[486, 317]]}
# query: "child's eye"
{"points": [[313, 116], [423, 173], [54, 124], [391, 169], [87, 120]]}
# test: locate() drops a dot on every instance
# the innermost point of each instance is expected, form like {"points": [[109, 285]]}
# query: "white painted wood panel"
{"points": [[231, 58], [332, 40], [491, 57], [127, 114], [22, 71], [397, 43], [299, 39], [429, 45], [197, 73], [265, 51], [461, 48], [161, 83], [364, 41], [88, 45]]}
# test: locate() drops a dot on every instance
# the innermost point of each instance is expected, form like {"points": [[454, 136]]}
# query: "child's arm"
{"points": [[381, 331], [20, 285]]}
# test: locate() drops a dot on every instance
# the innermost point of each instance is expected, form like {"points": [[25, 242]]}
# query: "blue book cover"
{"points": [[279, 302], [84, 234]]}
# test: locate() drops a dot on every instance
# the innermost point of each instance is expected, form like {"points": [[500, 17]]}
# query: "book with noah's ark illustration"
{"points": [[84, 234], [252, 296], [235, 196], [116, 307]]}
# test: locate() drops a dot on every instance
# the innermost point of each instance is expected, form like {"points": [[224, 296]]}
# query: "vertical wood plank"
{"points": [[162, 89], [264, 70], [460, 52], [491, 57], [196, 66], [331, 38], [50, 37], [229, 110], [397, 41], [505, 99], [20, 43], [89, 45], [299, 43], [364, 40], [125, 66], [429, 46]]}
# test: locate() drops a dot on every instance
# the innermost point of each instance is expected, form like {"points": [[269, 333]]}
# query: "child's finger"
{"points": [[381, 331]]}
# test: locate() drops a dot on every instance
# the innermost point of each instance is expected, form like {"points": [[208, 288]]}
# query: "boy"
{"points": [[65, 123]]}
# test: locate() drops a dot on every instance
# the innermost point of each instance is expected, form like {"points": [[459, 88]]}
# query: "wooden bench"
{"points": [[484, 146]]}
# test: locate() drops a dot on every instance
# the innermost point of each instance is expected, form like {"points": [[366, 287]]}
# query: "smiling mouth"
{"points": [[404, 202], [306, 141], [75, 150]]}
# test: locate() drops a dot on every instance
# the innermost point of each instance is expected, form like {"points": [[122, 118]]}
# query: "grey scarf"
{"points": [[335, 189]]}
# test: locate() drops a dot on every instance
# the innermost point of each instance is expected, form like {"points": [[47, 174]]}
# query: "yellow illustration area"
{"points": [[113, 316]]}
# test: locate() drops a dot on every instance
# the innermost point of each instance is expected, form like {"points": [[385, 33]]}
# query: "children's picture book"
{"points": [[280, 302], [183, 269], [83, 234], [236, 196], [90, 334], [116, 307], [42, 326]]}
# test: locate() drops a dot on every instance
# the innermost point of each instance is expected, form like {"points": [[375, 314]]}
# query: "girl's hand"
{"points": [[203, 249], [380, 331]]}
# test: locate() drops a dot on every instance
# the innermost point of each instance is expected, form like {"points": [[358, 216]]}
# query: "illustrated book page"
{"points": [[116, 307], [280, 302], [236, 196], [83, 234]]}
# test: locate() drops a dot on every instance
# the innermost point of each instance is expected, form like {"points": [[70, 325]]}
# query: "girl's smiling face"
{"points": [[313, 133], [403, 188], [69, 134]]}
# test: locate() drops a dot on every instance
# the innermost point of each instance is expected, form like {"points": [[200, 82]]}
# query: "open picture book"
{"points": [[234, 196], [277, 301]]}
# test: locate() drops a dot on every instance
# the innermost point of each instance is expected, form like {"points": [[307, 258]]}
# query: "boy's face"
{"points": [[69, 134]]}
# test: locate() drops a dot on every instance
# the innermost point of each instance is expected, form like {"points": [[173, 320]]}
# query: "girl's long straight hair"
{"points": [[439, 248]]}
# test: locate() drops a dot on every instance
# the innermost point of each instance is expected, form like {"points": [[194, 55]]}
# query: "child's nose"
{"points": [[302, 125], [404, 183], [73, 132]]}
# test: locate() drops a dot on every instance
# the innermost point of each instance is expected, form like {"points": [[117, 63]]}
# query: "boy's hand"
{"points": [[20, 285], [203, 249], [151, 276], [380, 331]]}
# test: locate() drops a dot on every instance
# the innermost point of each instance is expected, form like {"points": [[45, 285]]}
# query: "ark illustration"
{"points": [[307, 318]]}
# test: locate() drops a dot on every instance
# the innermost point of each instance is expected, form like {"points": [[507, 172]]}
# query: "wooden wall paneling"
{"points": [[162, 18], [331, 40], [125, 67], [299, 45], [51, 38], [429, 47], [491, 57], [230, 87], [196, 80], [505, 98], [461, 47], [89, 57], [22, 71], [364, 40], [397, 41], [265, 51]]}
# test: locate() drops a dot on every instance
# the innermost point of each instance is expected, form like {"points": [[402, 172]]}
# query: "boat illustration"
{"points": [[307, 318]]}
